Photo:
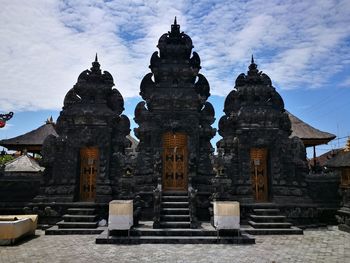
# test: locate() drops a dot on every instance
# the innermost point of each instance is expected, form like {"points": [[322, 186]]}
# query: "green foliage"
{"points": [[5, 158]]}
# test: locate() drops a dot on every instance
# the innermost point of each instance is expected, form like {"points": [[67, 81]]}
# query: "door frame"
{"points": [[86, 152], [261, 161], [174, 143]]}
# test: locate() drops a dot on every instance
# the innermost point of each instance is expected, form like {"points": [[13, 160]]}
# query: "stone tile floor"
{"points": [[317, 245]]}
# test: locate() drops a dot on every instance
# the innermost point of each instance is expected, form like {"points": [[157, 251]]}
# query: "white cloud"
{"points": [[46, 44], [345, 82]]}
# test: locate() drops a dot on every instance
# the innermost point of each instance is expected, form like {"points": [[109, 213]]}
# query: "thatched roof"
{"points": [[308, 134], [324, 158], [340, 161], [30, 139], [24, 163]]}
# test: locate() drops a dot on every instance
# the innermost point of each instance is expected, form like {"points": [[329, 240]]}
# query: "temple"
{"points": [[264, 164], [174, 123], [172, 174], [90, 144]]}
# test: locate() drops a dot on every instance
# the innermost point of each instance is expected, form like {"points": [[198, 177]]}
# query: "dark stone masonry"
{"points": [[258, 163], [84, 162], [263, 163]]}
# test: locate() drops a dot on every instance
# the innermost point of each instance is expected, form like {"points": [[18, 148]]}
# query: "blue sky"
{"points": [[302, 45]]}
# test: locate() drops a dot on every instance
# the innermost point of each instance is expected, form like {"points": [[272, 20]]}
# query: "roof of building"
{"points": [[23, 163], [33, 138], [322, 159], [340, 161], [308, 134]]}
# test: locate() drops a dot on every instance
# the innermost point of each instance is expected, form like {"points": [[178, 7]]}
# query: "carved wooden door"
{"points": [[259, 177], [175, 161], [89, 157]]}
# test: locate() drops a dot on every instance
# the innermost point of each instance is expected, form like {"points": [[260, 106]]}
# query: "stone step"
{"points": [[63, 224], [177, 224], [242, 239], [175, 198], [270, 225], [266, 211], [175, 240], [81, 211], [273, 231], [73, 231], [172, 232], [175, 218], [268, 218], [175, 193], [174, 204], [79, 218], [175, 211]]}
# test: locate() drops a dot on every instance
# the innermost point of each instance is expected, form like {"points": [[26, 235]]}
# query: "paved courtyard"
{"points": [[320, 245]]}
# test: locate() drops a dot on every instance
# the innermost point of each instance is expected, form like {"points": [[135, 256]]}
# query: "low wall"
{"points": [[19, 187]]}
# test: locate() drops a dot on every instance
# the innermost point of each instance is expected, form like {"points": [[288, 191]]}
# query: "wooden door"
{"points": [[89, 157], [259, 177], [175, 162]]}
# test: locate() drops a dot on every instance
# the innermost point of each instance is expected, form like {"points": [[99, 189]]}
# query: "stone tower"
{"points": [[262, 161], [85, 161], [174, 121]]}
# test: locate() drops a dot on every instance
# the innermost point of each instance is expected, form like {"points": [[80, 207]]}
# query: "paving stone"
{"points": [[317, 245]]}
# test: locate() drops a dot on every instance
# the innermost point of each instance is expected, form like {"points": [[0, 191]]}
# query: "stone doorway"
{"points": [[89, 159], [259, 175], [175, 162]]}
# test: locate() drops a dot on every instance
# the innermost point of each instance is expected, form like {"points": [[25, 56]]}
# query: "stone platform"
{"points": [[145, 234]]}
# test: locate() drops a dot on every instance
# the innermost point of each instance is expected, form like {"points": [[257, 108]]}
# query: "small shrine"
{"points": [[262, 161], [83, 163]]}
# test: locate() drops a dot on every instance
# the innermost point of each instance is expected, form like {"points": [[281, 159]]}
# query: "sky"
{"points": [[302, 45]]}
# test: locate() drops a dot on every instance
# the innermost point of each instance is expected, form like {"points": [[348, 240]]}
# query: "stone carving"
{"points": [[91, 117], [255, 118], [174, 95]]}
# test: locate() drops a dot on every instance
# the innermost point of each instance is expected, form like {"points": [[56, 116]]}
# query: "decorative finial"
{"points": [[49, 120], [96, 66], [253, 67], [347, 146], [175, 28]]}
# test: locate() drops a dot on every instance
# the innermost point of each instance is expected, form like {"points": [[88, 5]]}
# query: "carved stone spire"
{"points": [[175, 28], [96, 66], [253, 68]]}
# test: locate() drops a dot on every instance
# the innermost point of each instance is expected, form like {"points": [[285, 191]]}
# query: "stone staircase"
{"points": [[270, 221], [77, 221], [175, 212], [146, 234], [175, 228]]}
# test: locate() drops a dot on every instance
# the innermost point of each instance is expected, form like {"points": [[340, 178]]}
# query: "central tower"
{"points": [[174, 120]]}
